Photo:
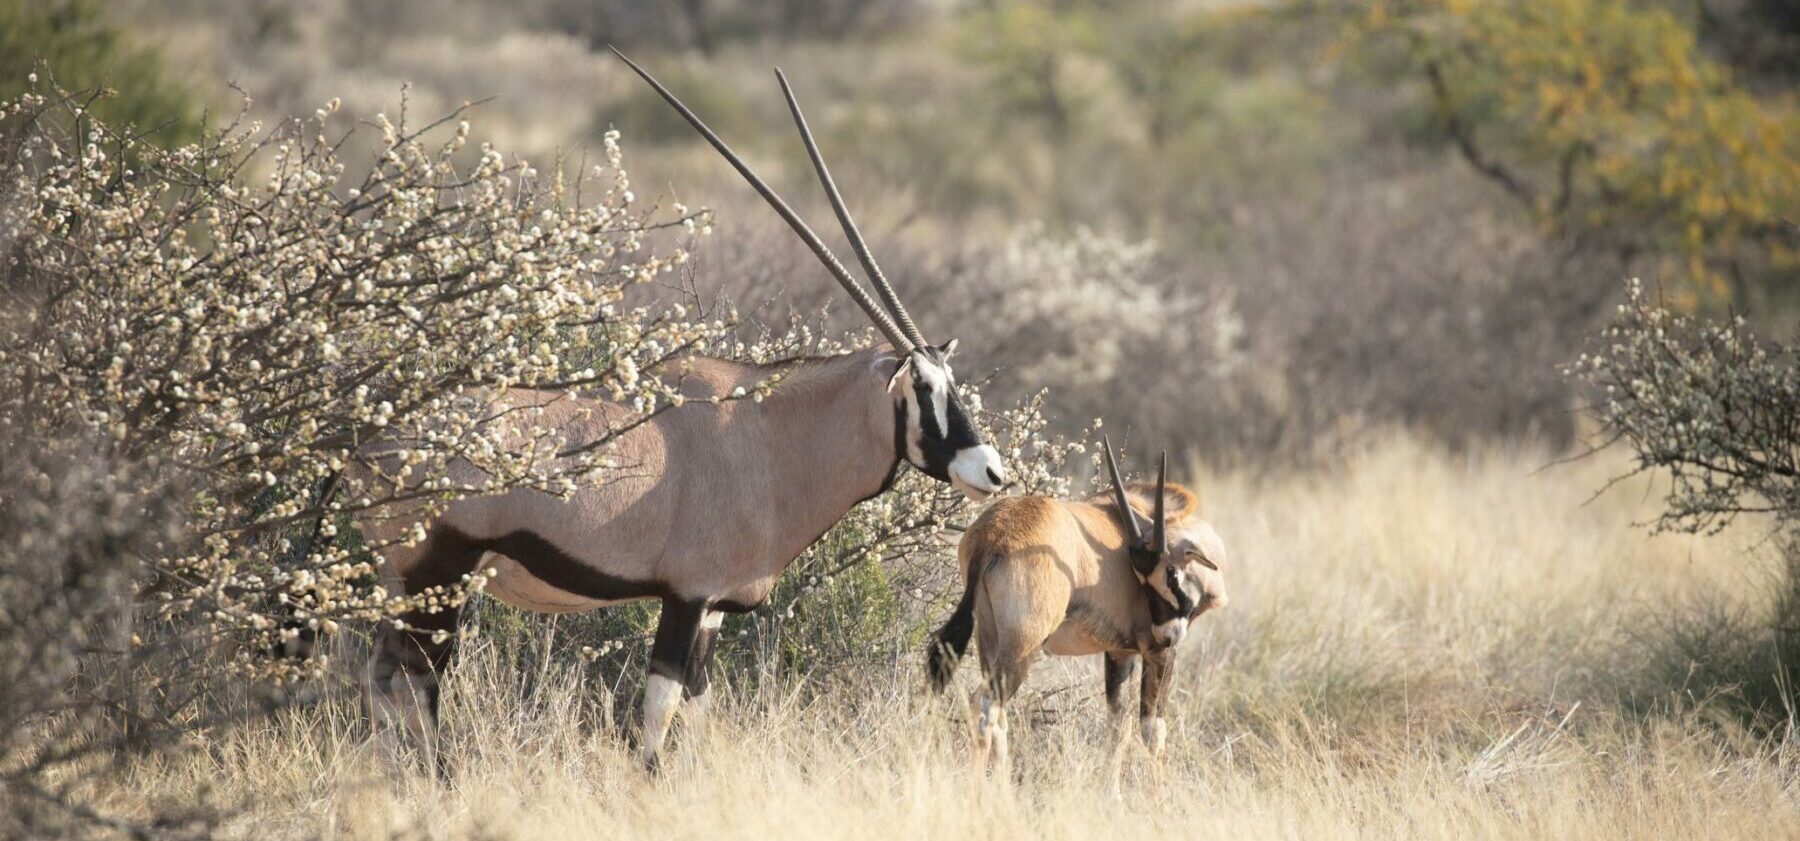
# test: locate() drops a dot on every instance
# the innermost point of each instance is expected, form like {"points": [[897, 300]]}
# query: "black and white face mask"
{"points": [[937, 433]]}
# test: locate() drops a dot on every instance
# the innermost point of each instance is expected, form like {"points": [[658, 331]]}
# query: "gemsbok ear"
{"points": [[1201, 557], [948, 349], [899, 370]]}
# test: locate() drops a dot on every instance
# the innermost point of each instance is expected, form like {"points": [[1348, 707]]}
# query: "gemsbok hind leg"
{"points": [[677, 631], [993, 748], [1019, 610], [1005, 662], [403, 684]]}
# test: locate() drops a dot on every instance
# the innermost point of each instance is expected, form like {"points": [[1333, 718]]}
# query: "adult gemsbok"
{"points": [[722, 497]]}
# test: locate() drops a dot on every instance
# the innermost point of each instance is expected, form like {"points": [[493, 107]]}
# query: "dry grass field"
{"points": [[1364, 264], [1419, 645]]}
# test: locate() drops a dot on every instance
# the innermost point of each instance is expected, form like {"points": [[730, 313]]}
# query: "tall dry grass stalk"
{"points": [[1419, 645]]}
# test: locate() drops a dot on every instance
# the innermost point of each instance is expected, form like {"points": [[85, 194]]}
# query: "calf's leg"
{"points": [[1005, 663], [1119, 666], [1159, 673]]}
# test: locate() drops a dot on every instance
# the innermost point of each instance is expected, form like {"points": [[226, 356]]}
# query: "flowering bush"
{"points": [[1102, 322], [1719, 411], [1707, 402], [236, 319]]}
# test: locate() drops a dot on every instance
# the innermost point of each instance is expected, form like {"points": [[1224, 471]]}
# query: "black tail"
{"points": [[950, 641]]}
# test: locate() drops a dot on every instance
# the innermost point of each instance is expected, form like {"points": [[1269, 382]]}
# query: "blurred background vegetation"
{"points": [[79, 45], [1320, 217], [1255, 232]]}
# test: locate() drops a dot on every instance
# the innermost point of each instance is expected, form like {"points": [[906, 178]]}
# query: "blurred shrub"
{"points": [[1402, 299], [1607, 120], [1718, 411], [1104, 323], [651, 120], [1025, 48], [87, 682], [628, 22], [1167, 64], [704, 24], [73, 42], [1759, 37]]}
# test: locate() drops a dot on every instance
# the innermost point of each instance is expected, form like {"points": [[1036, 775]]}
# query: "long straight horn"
{"points": [[1118, 483], [1158, 540], [882, 287], [901, 341]]}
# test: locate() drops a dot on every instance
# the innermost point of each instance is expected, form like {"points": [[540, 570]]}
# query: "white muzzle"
{"points": [[978, 472]]}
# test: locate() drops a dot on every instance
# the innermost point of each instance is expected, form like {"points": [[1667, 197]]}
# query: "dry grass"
{"points": [[1418, 646]]}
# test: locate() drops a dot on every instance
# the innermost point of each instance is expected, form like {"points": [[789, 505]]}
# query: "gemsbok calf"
{"points": [[721, 498], [1076, 578]]}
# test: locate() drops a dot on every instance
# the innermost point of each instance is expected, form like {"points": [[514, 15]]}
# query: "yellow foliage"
{"points": [[1662, 150]]}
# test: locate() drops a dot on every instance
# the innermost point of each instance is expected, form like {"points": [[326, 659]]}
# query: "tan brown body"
{"points": [[712, 501], [1056, 575]]}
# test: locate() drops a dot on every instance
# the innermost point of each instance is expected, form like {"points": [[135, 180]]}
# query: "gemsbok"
{"points": [[1076, 578], [722, 496]]}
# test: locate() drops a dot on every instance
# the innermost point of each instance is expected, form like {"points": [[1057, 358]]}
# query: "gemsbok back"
{"points": [[721, 498], [1076, 578]]}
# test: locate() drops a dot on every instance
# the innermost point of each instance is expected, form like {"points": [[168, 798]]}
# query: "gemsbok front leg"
{"points": [[404, 683], [699, 664], [1119, 666], [677, 632], [1159, 673]]}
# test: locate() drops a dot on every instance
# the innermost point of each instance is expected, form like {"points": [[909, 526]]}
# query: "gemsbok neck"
{"points": [[840, 409]]}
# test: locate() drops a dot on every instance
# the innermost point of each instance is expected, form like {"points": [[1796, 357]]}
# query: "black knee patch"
{"points": [[699, 661], [676, 633]]}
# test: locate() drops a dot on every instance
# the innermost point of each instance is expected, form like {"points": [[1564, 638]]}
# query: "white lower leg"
{"points": [[1120, 733], [405, 708], [696, 714], [661, 696], [982, 740], [1002, 754], [1155, 733]]}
